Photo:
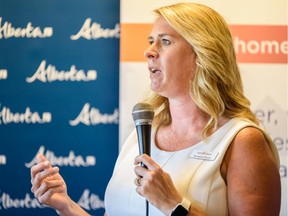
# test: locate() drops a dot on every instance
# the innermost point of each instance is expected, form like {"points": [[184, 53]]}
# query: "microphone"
{"points": [[143, 115]]}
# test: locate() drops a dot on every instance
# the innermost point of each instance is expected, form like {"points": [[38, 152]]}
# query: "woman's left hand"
{"points": [[155, 184]]}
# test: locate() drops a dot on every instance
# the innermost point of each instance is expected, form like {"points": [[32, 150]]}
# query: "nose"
{"points": [[151, 52]]}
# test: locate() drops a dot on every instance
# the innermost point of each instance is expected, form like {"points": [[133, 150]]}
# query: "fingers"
{"points": [[147, 179], [40, 166], [137, 182], [138, 159], [41, 158], [140, 183], [49, 186], [42, 176], [48, 189], [143, 175], [146, 160], [140, 191], [151, 166]]}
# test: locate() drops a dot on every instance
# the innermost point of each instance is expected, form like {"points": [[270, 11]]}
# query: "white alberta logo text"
{"points": [[71, 160], [93, 116], [88, 201], [51, 74], [7, 202], [95, 31], [28, 117], [8, 31]]}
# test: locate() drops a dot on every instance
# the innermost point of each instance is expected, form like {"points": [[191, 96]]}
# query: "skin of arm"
{"points": [[252, 176]]}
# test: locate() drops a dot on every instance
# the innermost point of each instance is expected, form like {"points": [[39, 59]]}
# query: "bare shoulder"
{"points": [[250, 141], [251, 173], [251, 149], [249, 135]]}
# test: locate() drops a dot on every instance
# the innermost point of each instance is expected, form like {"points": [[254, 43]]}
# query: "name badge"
{"points": [[204, 155]]}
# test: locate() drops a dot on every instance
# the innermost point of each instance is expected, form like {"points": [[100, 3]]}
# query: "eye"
{"points": [[166, 41]]}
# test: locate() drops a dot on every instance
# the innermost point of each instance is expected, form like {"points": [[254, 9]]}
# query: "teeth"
{"points": [[153, 70]]}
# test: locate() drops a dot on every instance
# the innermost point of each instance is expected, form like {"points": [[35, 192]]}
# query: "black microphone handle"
{"points": [[144, 139]]}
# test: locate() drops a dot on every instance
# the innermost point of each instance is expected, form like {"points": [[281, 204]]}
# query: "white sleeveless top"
{"points": [[195, 172]]}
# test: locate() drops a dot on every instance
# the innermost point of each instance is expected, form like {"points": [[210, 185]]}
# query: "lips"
{"points": [[154, 70]]}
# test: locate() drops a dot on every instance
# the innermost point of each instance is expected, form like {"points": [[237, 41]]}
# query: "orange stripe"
{"points": [[253, 43], [260, 44], [134, 42]]}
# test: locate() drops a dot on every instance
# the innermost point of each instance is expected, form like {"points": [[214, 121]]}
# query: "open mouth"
{"points": [[154, 70]]}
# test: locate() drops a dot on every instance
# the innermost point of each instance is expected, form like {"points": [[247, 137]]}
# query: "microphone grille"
{"points": [[143, 112]]}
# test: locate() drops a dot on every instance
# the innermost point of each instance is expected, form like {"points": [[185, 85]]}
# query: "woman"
{"points": [[208, 154]]}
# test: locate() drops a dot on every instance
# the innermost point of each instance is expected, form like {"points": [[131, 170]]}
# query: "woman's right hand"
{"points": [[48, 185], [50, 189]]}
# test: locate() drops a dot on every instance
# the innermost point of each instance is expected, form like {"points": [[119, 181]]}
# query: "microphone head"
{"points": [[143, 113]]}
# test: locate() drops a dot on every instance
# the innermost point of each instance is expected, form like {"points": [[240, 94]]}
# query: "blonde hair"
{"points": [[217, 87]]}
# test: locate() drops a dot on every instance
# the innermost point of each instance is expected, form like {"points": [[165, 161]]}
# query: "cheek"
{"points": [[180, 65], [186, 69], [189, 65]]}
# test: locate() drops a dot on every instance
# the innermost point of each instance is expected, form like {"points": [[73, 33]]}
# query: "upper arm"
{"points": [[252, 176]]}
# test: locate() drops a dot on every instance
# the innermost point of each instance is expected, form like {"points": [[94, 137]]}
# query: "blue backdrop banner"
{"points": [[59, 95]]}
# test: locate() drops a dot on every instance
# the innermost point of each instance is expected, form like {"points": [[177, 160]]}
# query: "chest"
{"points": [[169, 141]]}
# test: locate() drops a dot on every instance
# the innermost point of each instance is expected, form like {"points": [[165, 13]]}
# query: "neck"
{"points": [[186, 126], [186, 112]]}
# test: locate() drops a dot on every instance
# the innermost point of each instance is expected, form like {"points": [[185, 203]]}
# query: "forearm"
{"points": [[193, 209], [196, 211], [72, 209]]}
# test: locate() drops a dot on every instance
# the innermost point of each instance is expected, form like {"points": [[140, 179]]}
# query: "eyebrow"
{"points": [[159, 35]]}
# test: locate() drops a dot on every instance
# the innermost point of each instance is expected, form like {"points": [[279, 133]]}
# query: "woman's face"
{"points": [[171, 61]]}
